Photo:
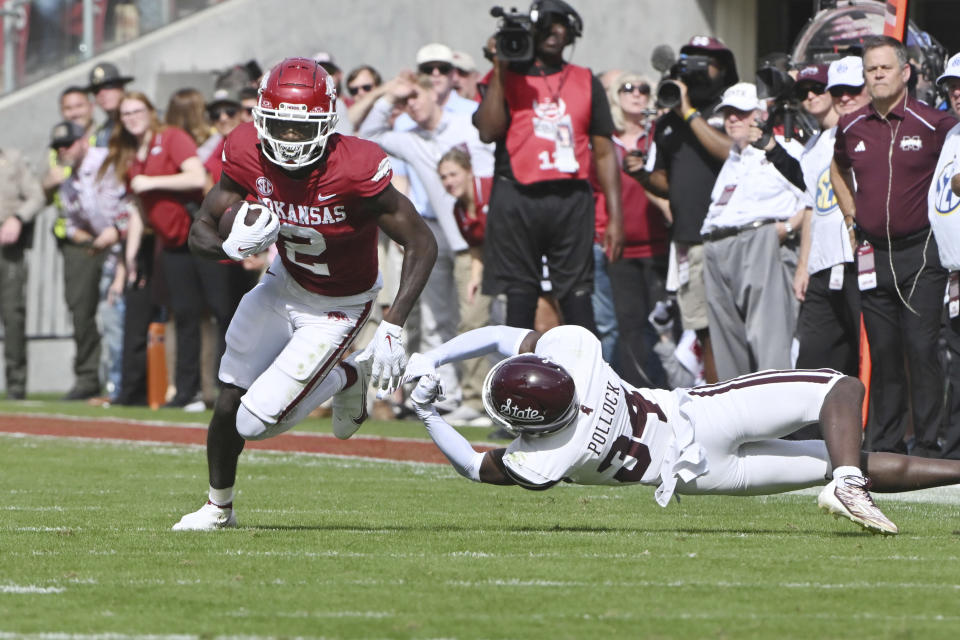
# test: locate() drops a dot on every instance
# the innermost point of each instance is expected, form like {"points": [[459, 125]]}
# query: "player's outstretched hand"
{"points": [[428, 390], [389, 358], [418, 366], [247, 240]]}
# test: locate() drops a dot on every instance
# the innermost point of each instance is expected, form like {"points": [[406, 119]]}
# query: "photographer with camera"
{"points": [[690, 147], [550, 121]]}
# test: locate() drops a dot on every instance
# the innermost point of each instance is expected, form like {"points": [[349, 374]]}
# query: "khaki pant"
{"points": [[473, 315]]}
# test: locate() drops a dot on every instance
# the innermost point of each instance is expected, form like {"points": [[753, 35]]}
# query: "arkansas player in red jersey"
{"points": [[325, 196]]}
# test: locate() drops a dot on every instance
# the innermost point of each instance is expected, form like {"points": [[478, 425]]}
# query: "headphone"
{"points": [[541, 8]]}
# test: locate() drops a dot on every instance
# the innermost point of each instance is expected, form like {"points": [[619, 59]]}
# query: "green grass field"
{"points": [[346, 548]]}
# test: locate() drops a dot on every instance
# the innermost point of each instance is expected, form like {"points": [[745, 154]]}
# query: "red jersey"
{"points": [[644, 229], [327, 242], [214, 164], [166, 210], [473, 228], [548, 135]]}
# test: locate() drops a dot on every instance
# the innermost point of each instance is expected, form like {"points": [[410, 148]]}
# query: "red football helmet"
{"points": [[530, 394], [296, 112]]}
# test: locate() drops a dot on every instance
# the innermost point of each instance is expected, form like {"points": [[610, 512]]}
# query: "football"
{"points": [[226, 220]]}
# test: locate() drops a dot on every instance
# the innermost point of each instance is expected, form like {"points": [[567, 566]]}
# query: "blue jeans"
{"points": [[603, 309]]}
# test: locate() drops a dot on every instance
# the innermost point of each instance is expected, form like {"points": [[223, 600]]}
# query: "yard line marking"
{"points": [[29, 588]]}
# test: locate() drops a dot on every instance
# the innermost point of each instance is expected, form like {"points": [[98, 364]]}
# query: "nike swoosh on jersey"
{"points": [[322, 198]]}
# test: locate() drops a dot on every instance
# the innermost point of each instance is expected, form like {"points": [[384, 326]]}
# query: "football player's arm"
{"points": [[506, 341], [397, 218], [204, 238], [491, 117], [471, 464]]}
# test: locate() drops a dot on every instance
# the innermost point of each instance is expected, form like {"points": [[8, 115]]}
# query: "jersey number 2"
{"points": [[304, 246]]}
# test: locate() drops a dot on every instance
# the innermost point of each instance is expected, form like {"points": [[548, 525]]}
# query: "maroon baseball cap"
{"points": [[813, 73], [715, 47]]}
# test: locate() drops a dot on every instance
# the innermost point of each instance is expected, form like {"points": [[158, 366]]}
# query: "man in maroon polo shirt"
{"points": [[890, 147]]}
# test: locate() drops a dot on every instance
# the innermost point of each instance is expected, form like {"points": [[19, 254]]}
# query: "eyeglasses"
{"points": [[216, 112], [842, 89], [630, 88], [429, 67], [366, 88], [816, 88], [133, 112]]}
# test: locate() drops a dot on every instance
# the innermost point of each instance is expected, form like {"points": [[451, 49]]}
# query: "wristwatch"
{"points": [[788, 228]]}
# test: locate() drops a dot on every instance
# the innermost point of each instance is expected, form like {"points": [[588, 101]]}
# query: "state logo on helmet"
{"points": [[296, 112], [530, 394]]}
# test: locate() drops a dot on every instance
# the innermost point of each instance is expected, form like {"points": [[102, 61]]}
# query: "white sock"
{"points": [[221, 497], [843, 472]]}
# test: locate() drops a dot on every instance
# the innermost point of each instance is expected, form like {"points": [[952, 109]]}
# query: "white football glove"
{"points": [[418, 366], [428, 390], [389, 358], [250, 240]]}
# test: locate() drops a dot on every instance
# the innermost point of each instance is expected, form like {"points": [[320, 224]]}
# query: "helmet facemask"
{"points": [[292, 137]]}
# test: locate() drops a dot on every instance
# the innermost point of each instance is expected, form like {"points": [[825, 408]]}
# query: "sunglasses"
{"points": [[366, 88], [815, 88], [428, 68], [231, 112], [842, 89], [630, 88]]}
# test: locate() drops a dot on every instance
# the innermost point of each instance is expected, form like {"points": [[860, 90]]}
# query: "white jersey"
{"points": [[830, 241], [621, 434], [944, 205], [749, 188]]}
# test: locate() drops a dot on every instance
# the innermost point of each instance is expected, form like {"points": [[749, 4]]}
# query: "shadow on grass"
{"points": [[557, 528]]}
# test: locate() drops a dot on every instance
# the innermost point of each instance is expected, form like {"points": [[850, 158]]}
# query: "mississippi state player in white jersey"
{"points": [[325, 196], [577, 421]]}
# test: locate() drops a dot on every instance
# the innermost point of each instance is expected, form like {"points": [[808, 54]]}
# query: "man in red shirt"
{"points": [[891, 146], [323, 196]]}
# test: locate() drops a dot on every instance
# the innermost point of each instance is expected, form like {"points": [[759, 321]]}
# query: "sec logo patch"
{"points": [[264, 186]]}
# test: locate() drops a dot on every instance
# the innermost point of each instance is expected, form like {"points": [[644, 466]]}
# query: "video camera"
{"points": [[514, 36], [774, 83], [690, 68]]}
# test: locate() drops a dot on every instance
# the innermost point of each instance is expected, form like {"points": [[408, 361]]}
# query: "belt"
{"points": [[725, 232], [901, 242]]}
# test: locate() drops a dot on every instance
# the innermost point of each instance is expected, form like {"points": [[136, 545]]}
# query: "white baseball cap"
{"points": [[845, 72], [742, 96], [464, 61], [952, 70], [435, 52]]}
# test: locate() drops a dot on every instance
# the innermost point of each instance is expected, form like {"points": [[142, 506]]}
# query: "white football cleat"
{"points": [[209, 517], [848, 497], [350, 404]]}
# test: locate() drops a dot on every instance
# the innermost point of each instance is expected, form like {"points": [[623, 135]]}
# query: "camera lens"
{"points": [[668, 94]]}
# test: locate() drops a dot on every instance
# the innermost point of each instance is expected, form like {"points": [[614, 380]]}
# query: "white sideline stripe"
{"points": [[721, 584], [59, 635], [29, 588]]}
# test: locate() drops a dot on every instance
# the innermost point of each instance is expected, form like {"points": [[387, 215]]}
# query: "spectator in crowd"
{"points": [[690, 149], [472, 193], [360, 82], [161, 167], [550, 120], [826, 282], [75, 106], [436, 132], [21, 197], [465, 76], [187, 110], [437, 61], [196, 284], [225, 110], [638, 278], [107, 87], [248, 100], [892, 145], [949, 84], [943, 205], [95, 210], [750, 245]]}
